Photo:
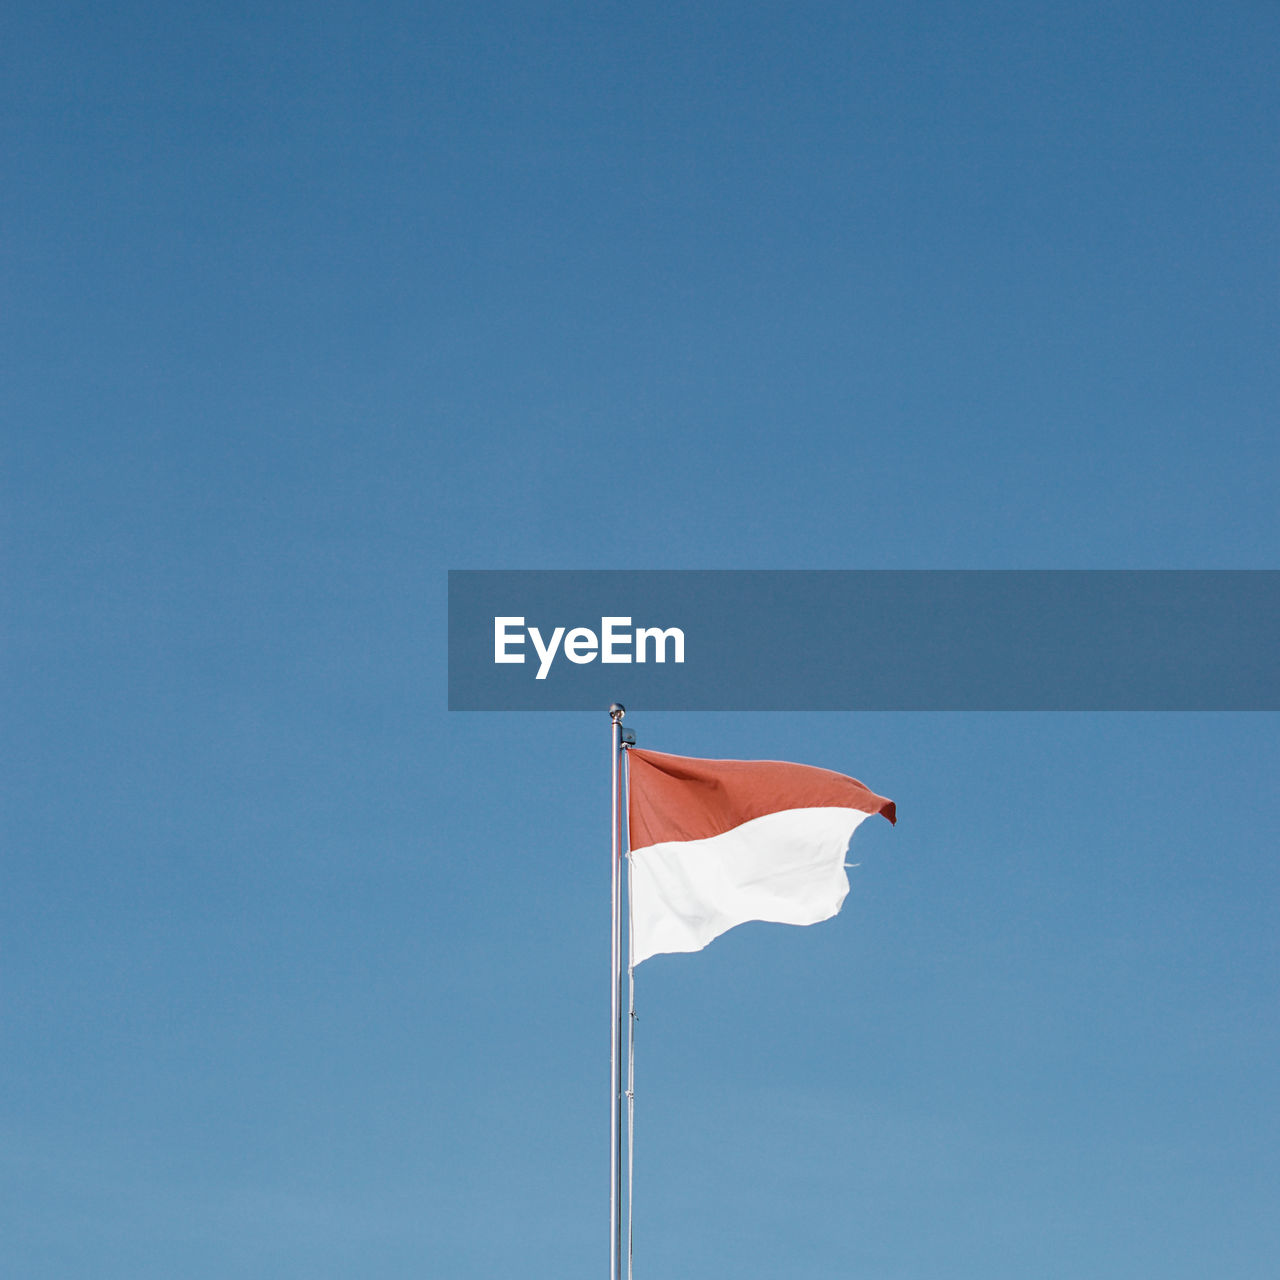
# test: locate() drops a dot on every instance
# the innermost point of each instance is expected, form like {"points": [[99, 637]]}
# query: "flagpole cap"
{"points": [[616, 711]]}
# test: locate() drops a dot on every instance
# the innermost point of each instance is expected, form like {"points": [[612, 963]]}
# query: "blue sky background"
{"points": [[305, 977]]}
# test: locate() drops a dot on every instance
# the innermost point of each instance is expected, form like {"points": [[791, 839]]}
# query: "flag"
{"points": [[715, 843]]}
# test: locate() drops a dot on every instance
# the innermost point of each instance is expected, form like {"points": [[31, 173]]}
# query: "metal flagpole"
{"points": [[616, 712], [631, 1042]]}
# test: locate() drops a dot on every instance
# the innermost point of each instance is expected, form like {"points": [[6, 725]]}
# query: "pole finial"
{"points": [[616, 712]]}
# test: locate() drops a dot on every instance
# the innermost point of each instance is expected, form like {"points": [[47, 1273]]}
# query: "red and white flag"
{"points": [[715, 843]]}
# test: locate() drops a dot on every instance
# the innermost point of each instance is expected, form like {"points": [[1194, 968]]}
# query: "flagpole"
{"points": [[616, 712]]}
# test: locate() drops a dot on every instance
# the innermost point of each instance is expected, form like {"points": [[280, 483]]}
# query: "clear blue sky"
{"points": [[301, 306]]}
